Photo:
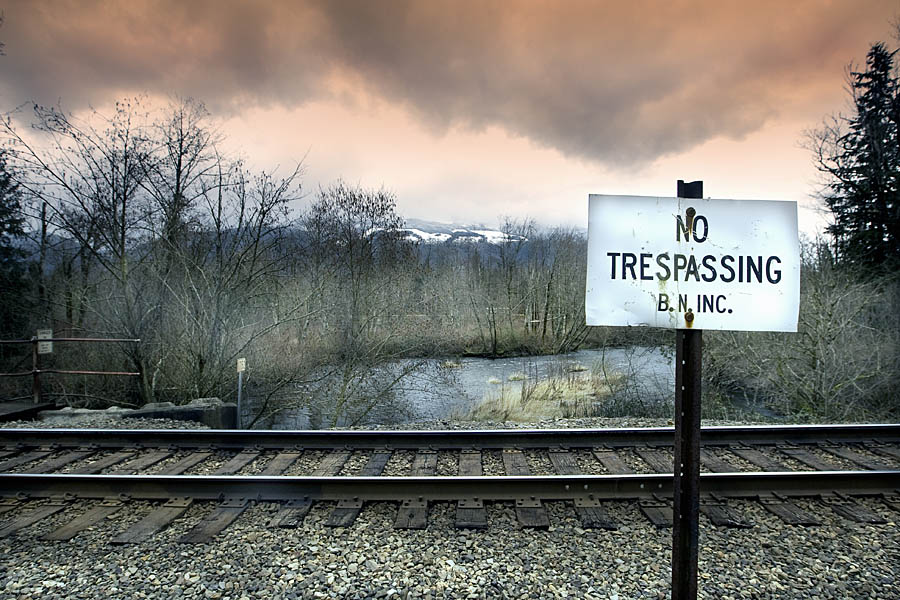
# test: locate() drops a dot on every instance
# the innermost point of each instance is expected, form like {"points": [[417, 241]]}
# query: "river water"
{"points": [[443, 389]]}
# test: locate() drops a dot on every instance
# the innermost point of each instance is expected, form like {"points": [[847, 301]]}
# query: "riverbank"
{"points": [[451, 389]]}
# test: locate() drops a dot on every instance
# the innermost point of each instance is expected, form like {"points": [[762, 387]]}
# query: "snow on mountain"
{"points": [[430, 232], [415, 234], [497, 237]]}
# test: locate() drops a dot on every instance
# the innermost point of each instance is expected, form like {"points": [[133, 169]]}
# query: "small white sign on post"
{"points": [[683, 263], [241, 367], [45, 347]]}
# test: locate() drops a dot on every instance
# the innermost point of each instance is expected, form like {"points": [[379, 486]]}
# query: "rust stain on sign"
{"points": [[689, 218]]}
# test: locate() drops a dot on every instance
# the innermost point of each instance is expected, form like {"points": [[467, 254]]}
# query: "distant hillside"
{"points": [[430, 232]]}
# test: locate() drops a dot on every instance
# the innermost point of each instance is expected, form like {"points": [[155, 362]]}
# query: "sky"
{"points": [[473, 111]]}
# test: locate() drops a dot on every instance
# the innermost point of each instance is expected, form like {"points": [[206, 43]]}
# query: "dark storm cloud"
{"points": [[600, 81], [225, 53]]}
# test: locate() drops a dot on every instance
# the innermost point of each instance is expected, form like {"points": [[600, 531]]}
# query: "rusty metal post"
{"points": [[36, 393], [686, 502]]}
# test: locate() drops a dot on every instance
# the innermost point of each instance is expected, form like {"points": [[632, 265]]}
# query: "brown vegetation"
{"points": [[567, 394], [843, 364], [142, 228]]}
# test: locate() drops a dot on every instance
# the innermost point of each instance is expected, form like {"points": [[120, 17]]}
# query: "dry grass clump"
{"points": [[566, 395]]}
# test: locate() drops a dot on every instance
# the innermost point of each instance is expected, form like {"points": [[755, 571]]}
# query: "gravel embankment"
{"points": [[583, 423], [839, 559], [104, 422]]}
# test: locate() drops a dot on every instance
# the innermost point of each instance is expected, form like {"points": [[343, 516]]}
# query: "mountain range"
{"points": [[432, 232]]}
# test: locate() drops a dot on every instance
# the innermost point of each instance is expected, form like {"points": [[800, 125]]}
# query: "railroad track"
{"points": [[43, 471]]}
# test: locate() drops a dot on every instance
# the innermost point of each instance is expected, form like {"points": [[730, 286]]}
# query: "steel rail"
{"points": [[443, 439], [495, 488]]}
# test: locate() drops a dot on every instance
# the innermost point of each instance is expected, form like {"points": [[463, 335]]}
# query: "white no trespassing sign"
{"points": [[683, 263]]}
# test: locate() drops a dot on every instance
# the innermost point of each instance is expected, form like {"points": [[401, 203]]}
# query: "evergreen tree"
{"points": [[12, 265], [860, 155]]}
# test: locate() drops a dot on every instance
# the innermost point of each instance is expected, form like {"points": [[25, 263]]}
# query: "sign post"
{"points": [[686, 501], [689, 263], [241, 367], [38, 348]]}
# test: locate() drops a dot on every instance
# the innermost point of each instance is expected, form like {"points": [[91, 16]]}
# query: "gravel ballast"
{"points": [[371, 559], [101, 421]]}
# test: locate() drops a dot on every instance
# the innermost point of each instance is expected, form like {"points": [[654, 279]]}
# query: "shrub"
{"points": [[842, 364]]}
